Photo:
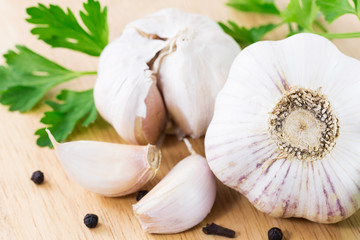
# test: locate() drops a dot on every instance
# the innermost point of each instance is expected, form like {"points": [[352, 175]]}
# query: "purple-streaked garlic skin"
{"points": [[244, 154]]}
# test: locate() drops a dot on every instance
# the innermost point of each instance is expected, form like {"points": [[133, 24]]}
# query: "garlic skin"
{"points": [[108, 169], [284, 131], [187, 56], [125, 91], [181, 200]]}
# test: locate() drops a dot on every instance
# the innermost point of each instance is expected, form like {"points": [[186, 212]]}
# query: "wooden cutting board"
{"points": [[55, 209]]}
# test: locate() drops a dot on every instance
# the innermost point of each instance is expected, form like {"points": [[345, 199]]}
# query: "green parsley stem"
{"points": [[340, 35], [320, 26], [290, 28], [87, 73]]}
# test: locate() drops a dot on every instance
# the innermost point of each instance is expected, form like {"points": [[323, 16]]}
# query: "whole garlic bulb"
{"points": [[285, 129], [108, 169], [180, 59]]}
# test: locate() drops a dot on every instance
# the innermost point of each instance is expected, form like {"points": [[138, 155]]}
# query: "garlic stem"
{"points": [[189, 146]]}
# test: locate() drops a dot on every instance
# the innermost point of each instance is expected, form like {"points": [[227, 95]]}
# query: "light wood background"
{"points": [[55, 210]]}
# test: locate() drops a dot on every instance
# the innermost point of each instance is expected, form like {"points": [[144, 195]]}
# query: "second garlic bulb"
{"points": [[170, 58]]}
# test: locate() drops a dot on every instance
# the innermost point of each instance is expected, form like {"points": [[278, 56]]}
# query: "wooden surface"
{"points": [[55, 210]]}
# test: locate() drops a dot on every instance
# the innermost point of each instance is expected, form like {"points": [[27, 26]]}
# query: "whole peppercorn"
{"points": [[37, 177], [214, 229], [141, 194], [275, 234], [91, 220]]}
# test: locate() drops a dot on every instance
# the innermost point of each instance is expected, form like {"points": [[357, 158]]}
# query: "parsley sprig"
{"points": [[257, 6], [27, 76], [60, 29], [299, 15], [77, 107], [246, 36]]}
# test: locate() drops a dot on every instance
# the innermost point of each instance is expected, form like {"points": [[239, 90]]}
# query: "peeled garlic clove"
{"points": [[190, 56], [107, 168], [285, 129], [181, 200]]}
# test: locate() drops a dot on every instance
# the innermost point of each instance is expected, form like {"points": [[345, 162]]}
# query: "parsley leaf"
{"points": [[77, 107], [246, 36], [96, 21], [332, 9], [257, 6], [27, 77], [61, 29], [357, 7], [302, 12]]}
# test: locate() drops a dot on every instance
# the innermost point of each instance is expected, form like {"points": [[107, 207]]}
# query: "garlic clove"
{"points": [[190, 56], [150, 128], [194, 69], [125, 91], [107, 168], [181, 200], [299, 159]]}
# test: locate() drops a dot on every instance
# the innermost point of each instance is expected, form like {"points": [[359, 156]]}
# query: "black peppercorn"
{"points": [[37, 177], [275, 234], [141, 194], [91, 220], [214, 229]]}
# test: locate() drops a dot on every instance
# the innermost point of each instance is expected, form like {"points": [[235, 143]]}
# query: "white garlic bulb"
{"points": [[182, 58], [285, 129], [181, 200], [107, 168]]}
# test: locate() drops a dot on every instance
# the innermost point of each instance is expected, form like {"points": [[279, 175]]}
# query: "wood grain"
{"points": [[55, 210]]}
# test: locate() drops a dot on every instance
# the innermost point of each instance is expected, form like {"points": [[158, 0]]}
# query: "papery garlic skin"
{"points": [[108, 169], [181, 200], [187, 55], [124, 82], [243, 154]]}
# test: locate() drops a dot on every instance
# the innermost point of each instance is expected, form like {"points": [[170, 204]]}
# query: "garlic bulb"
{"points": [[179, 58], [107, 168], [181, 200], [285, 129]]}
